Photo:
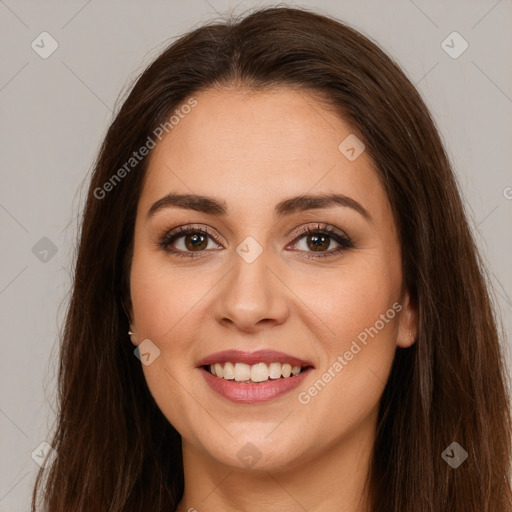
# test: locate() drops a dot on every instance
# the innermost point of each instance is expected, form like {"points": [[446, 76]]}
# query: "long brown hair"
{"points": [[115, 451]]}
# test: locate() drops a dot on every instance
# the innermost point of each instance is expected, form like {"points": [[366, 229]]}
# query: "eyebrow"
{"points": [[213, 206]]}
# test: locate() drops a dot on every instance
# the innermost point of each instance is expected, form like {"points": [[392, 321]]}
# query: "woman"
{"points": [[274, 222]]}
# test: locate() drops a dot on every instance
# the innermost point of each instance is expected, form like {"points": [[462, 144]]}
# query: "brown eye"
{"points": [[191, 241], [195, 241], [185, 241], [318, 240]]}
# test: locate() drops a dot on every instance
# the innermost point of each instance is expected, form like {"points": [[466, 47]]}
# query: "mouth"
{"points": [[256, 373], [253, 377]]}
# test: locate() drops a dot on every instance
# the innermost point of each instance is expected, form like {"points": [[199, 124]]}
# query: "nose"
{"points": [[251, 297]]}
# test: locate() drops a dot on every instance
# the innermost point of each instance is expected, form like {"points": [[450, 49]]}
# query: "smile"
{"points": [[253, 374], [253, 377]]}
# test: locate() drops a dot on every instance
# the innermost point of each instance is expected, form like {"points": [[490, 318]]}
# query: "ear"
{"points": [[129, 313], [133, 336], [407, 323]]}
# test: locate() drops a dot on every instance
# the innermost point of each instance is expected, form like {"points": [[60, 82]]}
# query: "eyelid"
{"points": [[185, 229], [171, 235], [338, 235], [327, 228]]}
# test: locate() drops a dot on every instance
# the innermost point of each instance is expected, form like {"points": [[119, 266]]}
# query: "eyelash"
{"points": [[341, 238]]}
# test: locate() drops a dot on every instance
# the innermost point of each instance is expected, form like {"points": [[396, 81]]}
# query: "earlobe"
{"points": [[133, 336], [408, 323], [129, 313]]}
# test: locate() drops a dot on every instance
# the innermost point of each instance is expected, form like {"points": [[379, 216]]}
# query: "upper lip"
{"points": [[250, 358]]}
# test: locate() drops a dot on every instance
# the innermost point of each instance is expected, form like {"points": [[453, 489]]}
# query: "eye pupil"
{"points": [[318, 242], [195, 241]]}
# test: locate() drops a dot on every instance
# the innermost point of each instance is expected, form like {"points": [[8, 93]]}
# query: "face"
{"points": [[249, 278]]}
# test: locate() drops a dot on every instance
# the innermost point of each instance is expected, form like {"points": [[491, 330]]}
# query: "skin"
{"points": [[252, 150]]}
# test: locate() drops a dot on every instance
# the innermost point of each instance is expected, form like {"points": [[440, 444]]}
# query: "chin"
{"points": [[256, 451]]}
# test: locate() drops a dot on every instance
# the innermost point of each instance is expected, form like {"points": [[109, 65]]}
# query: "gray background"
{"points": [[54, 113]]}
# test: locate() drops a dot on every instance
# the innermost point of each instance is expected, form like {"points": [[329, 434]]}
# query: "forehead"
{"points": [[259, 146]]}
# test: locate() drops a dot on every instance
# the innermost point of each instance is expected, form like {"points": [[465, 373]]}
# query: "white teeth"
{"points": [[229, 371], [274, 370], [242, 372], [259, 372]]}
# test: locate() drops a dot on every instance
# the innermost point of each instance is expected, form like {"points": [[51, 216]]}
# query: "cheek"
{"points": [[355, 364], [360, 305], [167, 310], [164, 298], [353, 298]]}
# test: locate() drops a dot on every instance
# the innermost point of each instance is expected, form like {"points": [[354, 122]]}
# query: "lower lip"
{"points": [[253, 393]]}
